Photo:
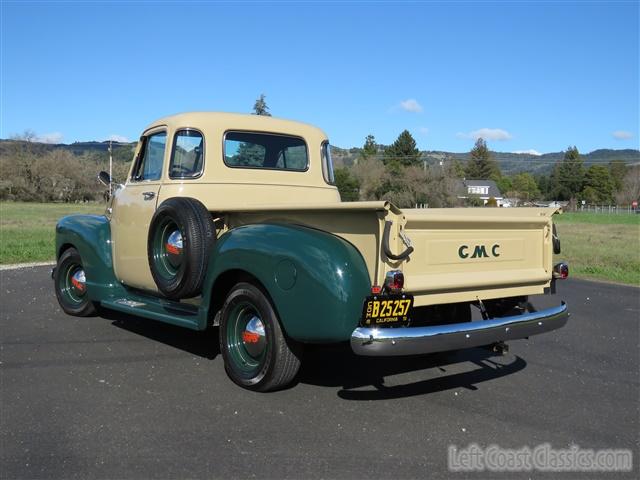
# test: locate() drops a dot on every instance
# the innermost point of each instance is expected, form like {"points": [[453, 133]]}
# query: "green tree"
{"points": [[347, 184], [544, 185], [504, 185], [567, 178], [618, 170], [369, 148], [403, 151], [456, 169], [260, 107], [525, 186], [598, 185], [481, 165]]}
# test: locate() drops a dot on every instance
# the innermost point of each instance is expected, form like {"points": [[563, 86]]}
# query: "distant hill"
{"points": [[121, 151], [509, 162]]}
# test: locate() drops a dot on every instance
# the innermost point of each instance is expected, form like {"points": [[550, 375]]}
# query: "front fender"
{"points": [[91, 236], [316, 280]]}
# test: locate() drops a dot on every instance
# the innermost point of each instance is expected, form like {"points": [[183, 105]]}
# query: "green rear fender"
{"points": [[317, 281], [91, 236]]}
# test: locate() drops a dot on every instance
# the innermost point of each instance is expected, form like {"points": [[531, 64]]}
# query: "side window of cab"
{"points": [[187, 155], [151, 157]]}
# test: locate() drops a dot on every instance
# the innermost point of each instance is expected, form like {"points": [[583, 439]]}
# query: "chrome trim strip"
{"points": [[441, 338]]}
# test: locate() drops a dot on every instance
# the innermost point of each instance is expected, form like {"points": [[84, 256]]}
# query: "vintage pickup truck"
{"points": [[234, 221]]}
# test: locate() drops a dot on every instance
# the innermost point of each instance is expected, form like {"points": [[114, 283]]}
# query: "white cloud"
{"points": [[411, 105], [118, 138], [622, 135], [423, 130], [486, 133], [531, 151], [54, 137]]}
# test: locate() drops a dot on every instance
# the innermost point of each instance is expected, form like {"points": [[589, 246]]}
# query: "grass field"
{"points": [[601, 246], [27, 230], [598, 246]]}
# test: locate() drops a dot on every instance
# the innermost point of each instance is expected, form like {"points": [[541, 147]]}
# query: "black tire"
{"points": [[181, 236], [70, 285], [254, 361]]}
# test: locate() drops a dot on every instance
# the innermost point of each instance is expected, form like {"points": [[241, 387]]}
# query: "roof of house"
{"points": [[494, 191]]}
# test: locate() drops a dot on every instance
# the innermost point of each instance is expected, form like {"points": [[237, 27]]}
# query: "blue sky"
{"points": [[524, 75]]}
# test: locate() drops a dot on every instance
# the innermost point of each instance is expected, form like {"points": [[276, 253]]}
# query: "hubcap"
{"points": [[79, 281], [168, 248], [246, 339], [253, 337], [174, 247], [73, 284]]}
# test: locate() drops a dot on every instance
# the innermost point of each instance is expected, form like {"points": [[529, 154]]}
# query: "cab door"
{"points": [[133, 208]]}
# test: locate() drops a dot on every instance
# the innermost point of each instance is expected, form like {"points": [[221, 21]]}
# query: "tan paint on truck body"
{"points": [[435, 272]]}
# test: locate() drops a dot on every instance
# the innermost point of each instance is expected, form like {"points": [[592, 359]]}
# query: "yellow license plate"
{"points": [[387, 310]]}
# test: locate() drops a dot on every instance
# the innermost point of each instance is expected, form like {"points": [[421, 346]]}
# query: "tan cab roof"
{"points": [[237, 121]]}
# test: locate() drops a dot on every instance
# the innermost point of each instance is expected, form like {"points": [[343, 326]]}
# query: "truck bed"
{"points": [[460, 254]]}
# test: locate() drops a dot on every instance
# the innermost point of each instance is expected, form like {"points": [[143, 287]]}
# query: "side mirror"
{"points": [[104, 178]]}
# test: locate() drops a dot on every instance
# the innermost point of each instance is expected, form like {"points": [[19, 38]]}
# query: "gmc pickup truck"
{"points": [[234, 221]]}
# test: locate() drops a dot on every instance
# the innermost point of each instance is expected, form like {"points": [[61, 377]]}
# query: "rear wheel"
{"points": [[257, 356], [71, 285]]}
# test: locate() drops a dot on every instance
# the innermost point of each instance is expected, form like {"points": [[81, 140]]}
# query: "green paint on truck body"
{"points": [[316, 280], [323, 302], [91, 236]]}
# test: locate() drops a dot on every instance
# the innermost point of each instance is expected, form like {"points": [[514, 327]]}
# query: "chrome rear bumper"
{"points": [[417, 340]]}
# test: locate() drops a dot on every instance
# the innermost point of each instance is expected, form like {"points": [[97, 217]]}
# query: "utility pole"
{"points": [[110, 167]]}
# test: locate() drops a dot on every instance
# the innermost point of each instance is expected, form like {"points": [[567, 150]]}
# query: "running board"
{"points": [[161, 309]]}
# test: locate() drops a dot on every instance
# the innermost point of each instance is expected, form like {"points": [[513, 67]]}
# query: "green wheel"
{"points": [[181, 236], [256, 354], [71, 285]]}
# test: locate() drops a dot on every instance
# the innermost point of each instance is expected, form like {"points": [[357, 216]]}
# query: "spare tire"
{"points": [[181, 236]]}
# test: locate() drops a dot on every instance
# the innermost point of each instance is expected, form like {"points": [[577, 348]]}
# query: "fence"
{"points": [[608, 209]]}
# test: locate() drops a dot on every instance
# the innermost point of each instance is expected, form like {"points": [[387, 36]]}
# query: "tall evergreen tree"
{"points": [[260, 107], [598, 185], [567, 178], [403, 151], [482, 165], [369, 148]]}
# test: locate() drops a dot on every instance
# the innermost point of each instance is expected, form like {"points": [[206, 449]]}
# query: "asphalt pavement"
{"points": [[115, 396]]}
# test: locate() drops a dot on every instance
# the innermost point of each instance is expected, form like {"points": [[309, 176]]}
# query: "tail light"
{"points": [[394, 281], [561, 270]]}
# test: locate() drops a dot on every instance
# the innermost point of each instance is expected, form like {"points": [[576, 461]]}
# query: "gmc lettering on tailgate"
{"points": [[479, 251]]}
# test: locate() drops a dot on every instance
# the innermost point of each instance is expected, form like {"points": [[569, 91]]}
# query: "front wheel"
{"points": [[71, 285], [256, 354]]}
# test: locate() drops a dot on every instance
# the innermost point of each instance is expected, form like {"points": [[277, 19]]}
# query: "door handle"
{"points": [[148, 195]]}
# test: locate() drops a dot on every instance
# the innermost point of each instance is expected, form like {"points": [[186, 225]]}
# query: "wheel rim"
{"points": [[246, 339], [72, 284], [168, 249]]}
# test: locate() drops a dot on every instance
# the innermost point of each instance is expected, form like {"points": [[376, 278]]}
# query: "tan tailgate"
{"points": [[464, 254]]}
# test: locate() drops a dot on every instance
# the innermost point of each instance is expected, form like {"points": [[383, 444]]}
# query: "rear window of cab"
{"points": [[265, 151]]}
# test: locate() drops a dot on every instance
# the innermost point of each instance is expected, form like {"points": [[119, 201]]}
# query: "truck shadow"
{"points": [[359, 378], [202, 344], [363, 378]]}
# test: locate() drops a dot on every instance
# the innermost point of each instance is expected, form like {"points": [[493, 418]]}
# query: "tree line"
{"points": [[30, 173], [401, 174]]}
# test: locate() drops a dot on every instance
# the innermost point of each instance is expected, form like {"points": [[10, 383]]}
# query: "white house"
{"points": [[482, 189]]}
